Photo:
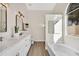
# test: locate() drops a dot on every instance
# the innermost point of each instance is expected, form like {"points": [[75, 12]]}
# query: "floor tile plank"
{"points": [[38, 49]]}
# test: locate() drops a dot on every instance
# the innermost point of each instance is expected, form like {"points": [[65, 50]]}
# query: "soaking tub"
{"points": [[60, 49]]}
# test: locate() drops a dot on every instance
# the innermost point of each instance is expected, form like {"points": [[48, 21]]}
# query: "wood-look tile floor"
{"points": [[38, 49]]}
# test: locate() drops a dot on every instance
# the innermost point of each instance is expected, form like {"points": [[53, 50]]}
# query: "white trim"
{"points": [[65, 20], [67, 8], [39, 40]]}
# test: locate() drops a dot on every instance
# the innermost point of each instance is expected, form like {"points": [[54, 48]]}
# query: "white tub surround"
{"points": [[16, 46], [60, 49], [68, 48], [72, 41]]}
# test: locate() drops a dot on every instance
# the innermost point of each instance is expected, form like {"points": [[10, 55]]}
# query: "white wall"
{"points": [[36, 19], [60, 8]]}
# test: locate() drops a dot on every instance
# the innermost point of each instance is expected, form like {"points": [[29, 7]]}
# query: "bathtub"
{"points": [[60, 49]]}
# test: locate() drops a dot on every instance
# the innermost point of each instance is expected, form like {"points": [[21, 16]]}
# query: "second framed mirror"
{"points": [[19, 22]]}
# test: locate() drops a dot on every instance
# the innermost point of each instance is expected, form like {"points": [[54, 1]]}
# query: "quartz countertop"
{"points": [[12, 41]]}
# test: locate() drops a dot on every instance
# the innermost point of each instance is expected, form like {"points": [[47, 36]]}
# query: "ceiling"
{"points": [[40, 6]]}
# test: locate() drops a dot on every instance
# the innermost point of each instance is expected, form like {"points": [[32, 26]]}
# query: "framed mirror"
{"points": [[19, 22], [3, 18]]}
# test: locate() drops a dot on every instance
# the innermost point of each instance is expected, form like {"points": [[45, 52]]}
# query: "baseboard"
{"points": [[39, 40]]}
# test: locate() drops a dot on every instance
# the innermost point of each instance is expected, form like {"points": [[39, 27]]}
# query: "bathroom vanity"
{"points": [[18, 45]]}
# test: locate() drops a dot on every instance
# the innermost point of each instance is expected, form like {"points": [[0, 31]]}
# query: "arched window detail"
{"points": [[73, 19]]}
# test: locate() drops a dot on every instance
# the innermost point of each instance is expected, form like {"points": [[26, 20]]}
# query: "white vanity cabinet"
{"points": [[20, 48], [25, 48]]}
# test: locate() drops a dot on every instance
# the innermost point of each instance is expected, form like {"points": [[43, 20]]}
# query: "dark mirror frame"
{"points": [[20, 15], [5, 16]]}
